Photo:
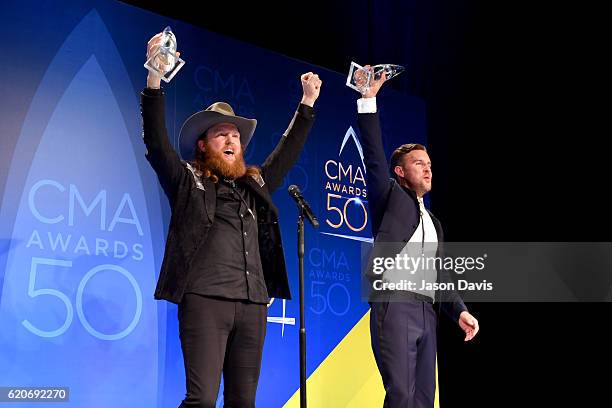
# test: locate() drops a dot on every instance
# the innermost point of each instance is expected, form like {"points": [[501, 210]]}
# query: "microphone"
{"points": [[295, 193]]}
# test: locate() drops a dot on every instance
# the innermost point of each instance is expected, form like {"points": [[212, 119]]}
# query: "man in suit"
{"points": [[403, 322], [224, 258]]}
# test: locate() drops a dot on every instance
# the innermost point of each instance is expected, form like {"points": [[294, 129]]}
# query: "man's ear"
{"points": [[202, 145], [399, 171]]}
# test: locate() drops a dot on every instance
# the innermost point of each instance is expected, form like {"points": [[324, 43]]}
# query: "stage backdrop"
{"points": [[83, 219]]}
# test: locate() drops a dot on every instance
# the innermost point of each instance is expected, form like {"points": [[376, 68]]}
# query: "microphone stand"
{"points": [[300, 231], [304, 210]]}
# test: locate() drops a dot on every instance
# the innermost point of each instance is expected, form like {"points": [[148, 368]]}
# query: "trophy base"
{"points": [[358, 78], [165, 75]]}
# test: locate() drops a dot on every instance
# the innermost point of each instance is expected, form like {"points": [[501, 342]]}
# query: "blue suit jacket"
{"points": [[394, 209]]}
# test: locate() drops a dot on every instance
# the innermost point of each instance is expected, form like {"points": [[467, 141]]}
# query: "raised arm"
{"points": [[160, 153], [288, 149], [377, 168]]}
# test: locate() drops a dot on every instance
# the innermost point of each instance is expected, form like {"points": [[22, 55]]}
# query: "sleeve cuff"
{"points": [[153, 92], [366, 105], [306, 111]]}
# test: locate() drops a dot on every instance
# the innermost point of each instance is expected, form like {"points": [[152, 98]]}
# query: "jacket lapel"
{"points": [[260, 192], [210, 197]]}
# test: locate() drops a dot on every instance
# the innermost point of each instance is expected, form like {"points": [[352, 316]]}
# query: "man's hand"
{"points": [[375, 84], [311, 84], [469, 325], [154, 80]]}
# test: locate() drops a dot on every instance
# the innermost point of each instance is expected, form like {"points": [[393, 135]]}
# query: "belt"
{"points": [[398, 295], [418, 296]]}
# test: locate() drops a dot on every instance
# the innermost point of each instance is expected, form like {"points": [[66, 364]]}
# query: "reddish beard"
{"points": [[215, 162]]}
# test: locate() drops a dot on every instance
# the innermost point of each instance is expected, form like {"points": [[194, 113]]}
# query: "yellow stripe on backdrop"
{"points": [[348, 377]]}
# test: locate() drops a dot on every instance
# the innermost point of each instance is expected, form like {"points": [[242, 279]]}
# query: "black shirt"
{"points": [[228, 264]]}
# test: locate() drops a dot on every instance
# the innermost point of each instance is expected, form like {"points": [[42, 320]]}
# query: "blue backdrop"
{"points": [[83, 219]]}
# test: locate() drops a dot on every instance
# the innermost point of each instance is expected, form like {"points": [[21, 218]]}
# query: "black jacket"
{"points": [[394, 210], [193, 199]]}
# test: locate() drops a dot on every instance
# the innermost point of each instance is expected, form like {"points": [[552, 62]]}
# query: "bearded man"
{"points": [[223, 259]]}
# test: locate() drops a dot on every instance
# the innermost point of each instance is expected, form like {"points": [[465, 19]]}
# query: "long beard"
{"points": [[215, 162]]}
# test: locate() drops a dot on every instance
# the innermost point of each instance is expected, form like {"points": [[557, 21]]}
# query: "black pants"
{"points": [[219, 335], [404, 344]]}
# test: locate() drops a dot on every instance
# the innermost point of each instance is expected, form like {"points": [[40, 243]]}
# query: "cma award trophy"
{"points": [[359, 78], [164, 62]]}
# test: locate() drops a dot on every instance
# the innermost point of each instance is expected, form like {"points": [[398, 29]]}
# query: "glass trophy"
{"points": [[360, 78], [164, 62]]}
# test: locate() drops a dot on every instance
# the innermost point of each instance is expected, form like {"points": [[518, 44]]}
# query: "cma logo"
{"points": [[345, 191], [51, 202], [339, 174], [53, 190], [320, 258], [209, 80], [214, 84]]}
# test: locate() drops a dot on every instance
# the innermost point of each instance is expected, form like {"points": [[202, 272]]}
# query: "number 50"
{"points": [[342, 214], [79, 300]]}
